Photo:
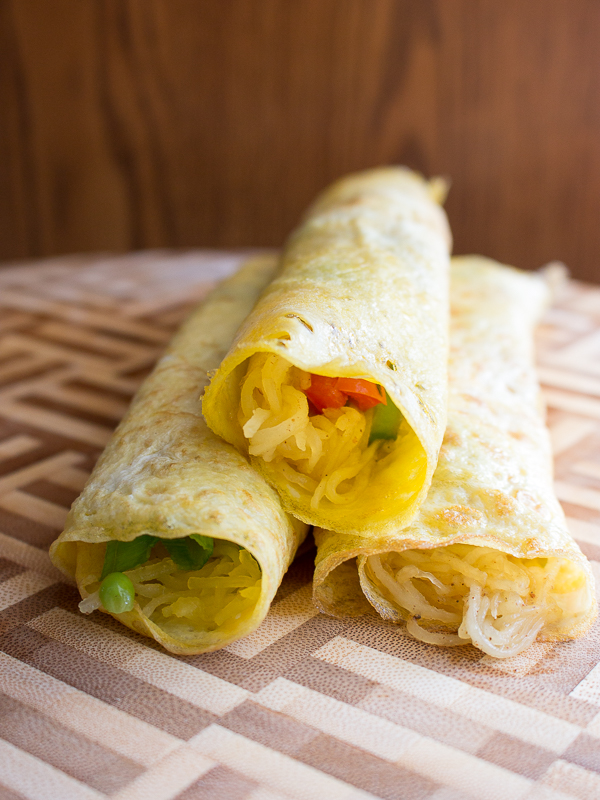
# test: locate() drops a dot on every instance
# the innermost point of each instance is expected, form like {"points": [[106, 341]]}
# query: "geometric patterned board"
{"points": [[308, 706]]}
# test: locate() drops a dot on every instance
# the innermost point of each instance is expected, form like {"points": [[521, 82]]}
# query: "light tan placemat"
{"points": [[308, 707]]}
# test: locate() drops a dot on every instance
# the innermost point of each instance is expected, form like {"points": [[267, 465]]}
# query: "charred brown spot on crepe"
{"points": [[501, 504], [458, 517]]}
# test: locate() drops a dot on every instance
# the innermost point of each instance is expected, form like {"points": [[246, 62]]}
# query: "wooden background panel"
{"points": [[148, 123]]}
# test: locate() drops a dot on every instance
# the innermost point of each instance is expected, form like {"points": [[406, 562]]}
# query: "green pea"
{"points": [[117, 593]]}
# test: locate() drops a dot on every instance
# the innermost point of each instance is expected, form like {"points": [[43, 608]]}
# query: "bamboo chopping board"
{"points": [[308, 707]]}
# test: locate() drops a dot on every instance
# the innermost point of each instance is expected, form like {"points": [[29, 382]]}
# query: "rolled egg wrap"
{"points": [[489, 558], [362, 294], [165, 474]]}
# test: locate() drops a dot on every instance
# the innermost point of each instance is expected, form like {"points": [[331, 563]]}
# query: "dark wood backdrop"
{"points": [[150, 123]]}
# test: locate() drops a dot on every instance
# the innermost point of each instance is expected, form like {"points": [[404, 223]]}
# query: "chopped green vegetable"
{"points": [[386, 421], [191, 552], [204, 541], [121, 556], [117, 593]]}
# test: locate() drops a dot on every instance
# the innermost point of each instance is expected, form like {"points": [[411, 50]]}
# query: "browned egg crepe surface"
{"points": [[362, 293], [491, 532], [166, 474]]}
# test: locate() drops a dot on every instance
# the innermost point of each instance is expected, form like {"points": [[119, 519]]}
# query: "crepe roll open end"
{"points": [[205, 606], [489, 559], [175, 534], [322, 440], [356, 321], [464, 594]]}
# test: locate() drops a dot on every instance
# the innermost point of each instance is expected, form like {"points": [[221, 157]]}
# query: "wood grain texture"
{"points": [[144, 123], [307, 706]]}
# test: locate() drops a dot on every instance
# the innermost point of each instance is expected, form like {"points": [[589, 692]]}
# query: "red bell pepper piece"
{"points": [[325, 392], [364, 393]]}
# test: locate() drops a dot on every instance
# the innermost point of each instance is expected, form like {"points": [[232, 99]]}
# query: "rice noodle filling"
{"points": [[215, 597], [496, 601], [324, 455]]}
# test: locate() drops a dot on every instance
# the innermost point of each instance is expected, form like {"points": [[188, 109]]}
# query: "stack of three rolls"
{"points": [[362, 294]]}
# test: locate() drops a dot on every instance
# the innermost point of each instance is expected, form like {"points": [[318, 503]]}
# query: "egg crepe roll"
{"points": [[176, 511], [336, 383], [489, 558]]}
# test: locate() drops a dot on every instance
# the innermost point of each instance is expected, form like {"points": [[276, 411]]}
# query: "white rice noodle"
{"points": [[259, 415], [443, 639], [325, 455], [160, 600], [499, 642], [90, 603], [497, 602], [409, 597], [151, 570]]}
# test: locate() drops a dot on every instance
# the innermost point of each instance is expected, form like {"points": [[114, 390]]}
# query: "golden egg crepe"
{"points": [[166, 483], [488, 559], [360, 305]]}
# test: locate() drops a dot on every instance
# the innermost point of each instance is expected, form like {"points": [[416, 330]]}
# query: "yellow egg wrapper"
{"points": [[166, 474], [492, 488], [362, 293]]}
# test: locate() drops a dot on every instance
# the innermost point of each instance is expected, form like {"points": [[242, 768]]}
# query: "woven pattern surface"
{"points": [[308, 706]]}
